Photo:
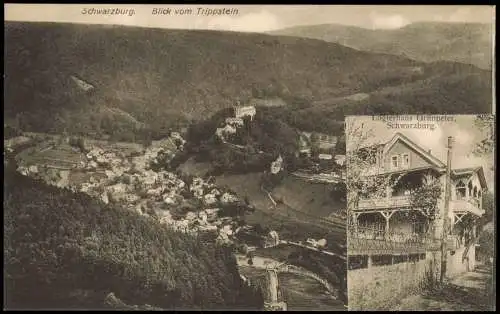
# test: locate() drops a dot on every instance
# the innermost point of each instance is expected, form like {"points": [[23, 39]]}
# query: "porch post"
{"points": [[388, 191], [387, 215], [355, 221]]}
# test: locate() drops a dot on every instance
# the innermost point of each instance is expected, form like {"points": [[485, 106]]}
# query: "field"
{"points": [[308, 219], [121, 148], [49, 153], [312, 198], [77, 177], [63, 156], [287, 227]]}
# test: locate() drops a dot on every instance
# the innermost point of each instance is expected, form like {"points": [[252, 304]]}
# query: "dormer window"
{"points": [[394, 162]]}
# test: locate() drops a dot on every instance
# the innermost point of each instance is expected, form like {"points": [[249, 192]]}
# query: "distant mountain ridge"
{"points": [[424, 41], [157, 79]]}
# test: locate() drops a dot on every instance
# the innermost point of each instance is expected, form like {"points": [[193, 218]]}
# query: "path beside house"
{"points": [[465, 292]]}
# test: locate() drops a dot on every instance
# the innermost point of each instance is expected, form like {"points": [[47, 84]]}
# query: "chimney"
{"points": [[450, 141]]}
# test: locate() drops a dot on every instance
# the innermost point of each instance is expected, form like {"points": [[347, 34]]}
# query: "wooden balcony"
{"points": [[466, 206], [367, 241], [393, 202]]}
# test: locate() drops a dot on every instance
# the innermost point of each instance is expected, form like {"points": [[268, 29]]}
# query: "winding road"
{"points": [[314, 249]]}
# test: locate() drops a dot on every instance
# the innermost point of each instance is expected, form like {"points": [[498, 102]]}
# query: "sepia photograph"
{"points": [[421, 212], [193, 157]]}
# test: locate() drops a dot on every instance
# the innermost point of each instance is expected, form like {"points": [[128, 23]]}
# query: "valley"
{"points": [[217, 208]]}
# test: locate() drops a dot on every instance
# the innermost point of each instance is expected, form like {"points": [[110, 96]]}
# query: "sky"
{"points": [[256, 18], [462, 129]]}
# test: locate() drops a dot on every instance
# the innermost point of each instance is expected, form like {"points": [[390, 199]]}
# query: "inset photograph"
{"points": [[421, 212]]}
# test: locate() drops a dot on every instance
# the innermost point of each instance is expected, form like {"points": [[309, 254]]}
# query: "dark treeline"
{"points": [[66, 250]]}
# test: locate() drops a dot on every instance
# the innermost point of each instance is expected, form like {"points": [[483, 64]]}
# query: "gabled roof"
{"points": [[469, 171], [427, 156]]}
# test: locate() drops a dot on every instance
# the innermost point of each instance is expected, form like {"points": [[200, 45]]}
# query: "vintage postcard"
{"points": [[172, 157], [421, 212]]}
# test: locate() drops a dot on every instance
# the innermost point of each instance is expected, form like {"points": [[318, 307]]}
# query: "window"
{"points": [[380, 156], [475, 191], [470, 188], [394, 162], [406, 160], [460, 190]]}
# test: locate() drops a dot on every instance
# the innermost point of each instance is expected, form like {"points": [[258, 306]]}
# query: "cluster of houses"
{"points": [[320, 148], [317, 147], [205, 220], [144, 190], [128, 179], [231, 124]]}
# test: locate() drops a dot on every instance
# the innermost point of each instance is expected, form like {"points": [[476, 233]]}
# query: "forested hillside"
{"points": [[132, 83], [65, 250], [424, 41]]}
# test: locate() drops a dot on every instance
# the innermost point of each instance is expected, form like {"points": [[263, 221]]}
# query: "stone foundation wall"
{"points": [[380, 287]]}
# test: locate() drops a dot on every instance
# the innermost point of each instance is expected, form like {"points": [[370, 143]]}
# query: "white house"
{"points": [[340, 159], [277, 165], [325, 156], [243, 111], [228, 198], [225, 131], [210, 199]]}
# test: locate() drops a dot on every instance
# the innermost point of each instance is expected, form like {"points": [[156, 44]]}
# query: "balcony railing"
{"points": [[384, 202], [466, 206], [364, 240]]}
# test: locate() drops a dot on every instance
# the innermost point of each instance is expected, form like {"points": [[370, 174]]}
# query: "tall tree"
{"points": [[486, 124]]}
